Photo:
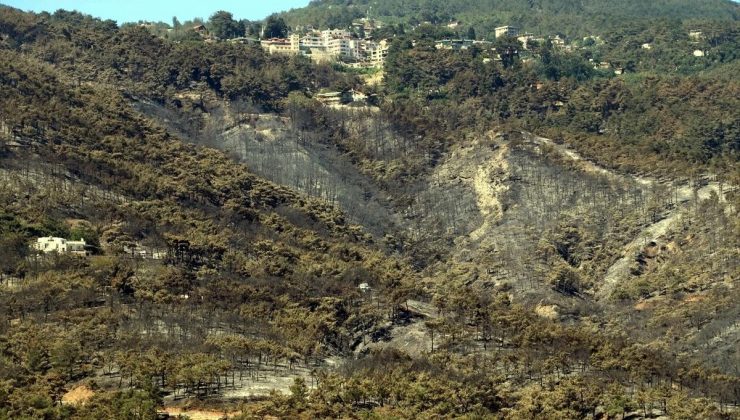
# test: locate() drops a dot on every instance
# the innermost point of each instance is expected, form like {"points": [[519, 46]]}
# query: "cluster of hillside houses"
{"points": [[502, 31], [342, 45], [527, 39], [331, 45]]}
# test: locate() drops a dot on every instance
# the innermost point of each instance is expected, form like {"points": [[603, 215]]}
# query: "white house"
{"points": [[696, 35], [60, 245], [357, 96], [51, 244]]}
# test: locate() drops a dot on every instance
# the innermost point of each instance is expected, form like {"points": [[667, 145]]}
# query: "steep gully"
{"points": [[685, 195]]}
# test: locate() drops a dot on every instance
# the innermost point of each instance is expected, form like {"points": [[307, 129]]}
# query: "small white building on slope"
{"points": [[60, 245]]}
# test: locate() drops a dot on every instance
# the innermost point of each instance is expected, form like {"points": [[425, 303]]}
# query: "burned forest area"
{"points": [[372, 210]]}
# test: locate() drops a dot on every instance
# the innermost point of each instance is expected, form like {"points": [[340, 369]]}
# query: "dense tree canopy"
{"points": [[575, 19], [223, 25], [275, 27]]}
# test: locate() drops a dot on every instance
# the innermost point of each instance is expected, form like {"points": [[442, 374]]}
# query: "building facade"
{"points": [[507, 31], [290, 45], [377, 52]]}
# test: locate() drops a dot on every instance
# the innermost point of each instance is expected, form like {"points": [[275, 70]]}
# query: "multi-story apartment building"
{"points": [[330, 45], [344, 47], [510, 31], [376, 52]]}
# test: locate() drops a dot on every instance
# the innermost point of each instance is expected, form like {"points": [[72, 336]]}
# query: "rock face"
{"points": [[474, 176]]}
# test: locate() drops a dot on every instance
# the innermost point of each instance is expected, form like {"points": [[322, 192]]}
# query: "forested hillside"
{"points": [[565, 17], [494, 234], [646, 122], [246, 263]]}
